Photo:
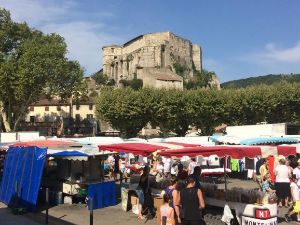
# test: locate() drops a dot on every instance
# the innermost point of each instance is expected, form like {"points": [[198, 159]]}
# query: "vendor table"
{"points": [[215, 174], [214, 171], [249, 213]]}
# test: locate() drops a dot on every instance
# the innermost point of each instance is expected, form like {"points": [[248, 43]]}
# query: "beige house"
{"points": [[153, 58], [46, 110]]}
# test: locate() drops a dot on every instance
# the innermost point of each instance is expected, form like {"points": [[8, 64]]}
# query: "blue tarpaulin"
{"points": [[23, 168], [268, 140], [103, 194]]}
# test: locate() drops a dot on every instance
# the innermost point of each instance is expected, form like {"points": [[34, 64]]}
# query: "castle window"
{"points": [[112, 50], [32, 119], [77, 107], [31, 108], [47, 108], [91, 107], [58, 108]]}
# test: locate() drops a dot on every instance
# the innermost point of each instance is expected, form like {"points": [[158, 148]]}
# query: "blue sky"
{"points": [[239, 38]]}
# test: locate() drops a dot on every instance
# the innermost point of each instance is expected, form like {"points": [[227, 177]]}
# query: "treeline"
{"points": [[268, 80], [174, 110]]}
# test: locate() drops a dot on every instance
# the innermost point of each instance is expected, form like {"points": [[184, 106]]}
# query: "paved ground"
{"points": [[7, 218], [79, 215]]}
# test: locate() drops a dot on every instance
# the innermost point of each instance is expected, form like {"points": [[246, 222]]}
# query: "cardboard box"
{"points": [[158, 202]]}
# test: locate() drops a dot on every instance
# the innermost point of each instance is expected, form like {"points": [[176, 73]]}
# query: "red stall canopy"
{"points": [[170, 149], [45, 143], [137, 148], [234, 151]]}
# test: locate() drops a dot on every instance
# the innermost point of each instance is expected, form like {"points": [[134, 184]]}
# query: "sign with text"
{"points": [[262, 214], [253, 221]]}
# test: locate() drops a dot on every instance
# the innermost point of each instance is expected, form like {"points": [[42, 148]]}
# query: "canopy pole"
{"points": [[225, 176]]}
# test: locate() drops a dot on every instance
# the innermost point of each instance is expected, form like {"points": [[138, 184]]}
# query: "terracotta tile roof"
{"points": [[58, 102], [168, 77]]}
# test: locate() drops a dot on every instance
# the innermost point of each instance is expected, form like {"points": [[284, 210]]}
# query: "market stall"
{"points": [[243, 201], [70, 168]]}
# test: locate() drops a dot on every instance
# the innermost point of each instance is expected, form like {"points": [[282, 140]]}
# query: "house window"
{"points": [[77, 107], [32, 119], [58, 108], [31, 108], [89, 116], [47, 108], [91, 107]]}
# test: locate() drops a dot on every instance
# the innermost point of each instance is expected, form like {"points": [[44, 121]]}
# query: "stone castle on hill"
{"points": [[155, 58]]}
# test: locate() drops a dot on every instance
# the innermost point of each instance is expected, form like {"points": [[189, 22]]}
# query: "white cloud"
{"points": [[36, 12], [272, 54], [84, 42], [84, 37]]}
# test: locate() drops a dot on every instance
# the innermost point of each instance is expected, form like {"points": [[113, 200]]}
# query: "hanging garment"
{"points": [[271, 165], [235, 165]]}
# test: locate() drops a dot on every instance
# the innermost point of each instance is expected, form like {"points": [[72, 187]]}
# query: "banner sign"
{"points": [[253, 221]]}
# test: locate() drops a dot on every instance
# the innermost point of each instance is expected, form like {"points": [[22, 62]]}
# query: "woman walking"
{"points": [[192, 203], [282, 183]]}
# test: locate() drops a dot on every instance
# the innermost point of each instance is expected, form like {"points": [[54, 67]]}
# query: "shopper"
{"points": [[167, 162], [176, 200], [192, 203], [282, 183], [197, 175], [263, 170], [167, 212], [267, 185], [296, 171], [182, 174], [192, 165], [116, 166], [144, 193], [170, 189], [296, 202]]}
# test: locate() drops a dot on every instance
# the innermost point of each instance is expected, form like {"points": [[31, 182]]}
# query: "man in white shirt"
{"points": [[192, 165], [296, 171], [167, 166]]}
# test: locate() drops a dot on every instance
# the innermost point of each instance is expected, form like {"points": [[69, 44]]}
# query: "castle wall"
{"points": [[156, 50]]}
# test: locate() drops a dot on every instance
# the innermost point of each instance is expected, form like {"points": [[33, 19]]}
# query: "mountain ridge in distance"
{"points": [[265, 79]]}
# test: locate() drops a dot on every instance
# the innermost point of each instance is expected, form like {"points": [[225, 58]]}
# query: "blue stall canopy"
{"points": [[269, 140], [67, 154], [23, 168]]}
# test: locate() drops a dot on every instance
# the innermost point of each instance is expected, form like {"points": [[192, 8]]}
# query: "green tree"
{"points": [[200, 80], [207, 108], [32, 64], [100, 78], [125, 109], [169, 111]]}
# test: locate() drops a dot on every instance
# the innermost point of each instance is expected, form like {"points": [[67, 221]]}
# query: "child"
{"points": [[167, 212], [266, 184], [267, 188], [296, 202]]}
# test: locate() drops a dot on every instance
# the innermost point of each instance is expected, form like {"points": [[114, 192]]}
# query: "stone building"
{"points": [[156, 58]]}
